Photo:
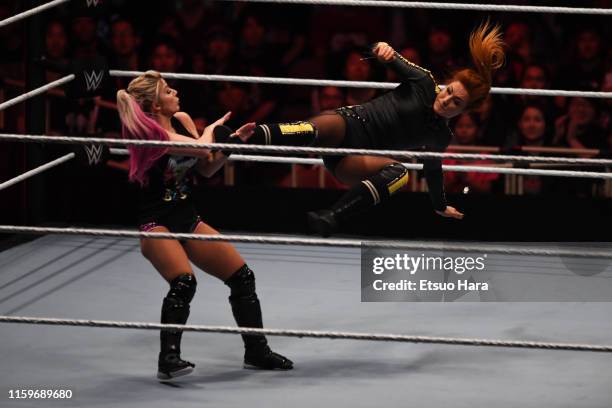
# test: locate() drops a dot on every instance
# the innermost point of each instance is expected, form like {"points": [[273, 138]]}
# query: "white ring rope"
{"points": [[322, 151], [352, 84], [302, 160], [36, 91], [402, 338], [414, 166], [442, 6], [375, 3], [445, 167], [319, 162], [37, 170], [283, 240], [31, 12]]}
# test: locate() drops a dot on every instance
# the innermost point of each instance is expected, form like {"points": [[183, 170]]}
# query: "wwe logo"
{"points": [[93, 80], [94, 154], [92, 3]]}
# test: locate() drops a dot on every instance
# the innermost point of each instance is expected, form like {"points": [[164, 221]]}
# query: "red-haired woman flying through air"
{"points": [[412, 116]]}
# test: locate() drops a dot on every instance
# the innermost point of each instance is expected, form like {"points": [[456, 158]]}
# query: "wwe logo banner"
{"points": [[93, 80], [91, 155], [94, 154], [92, 8], [92, 77]]}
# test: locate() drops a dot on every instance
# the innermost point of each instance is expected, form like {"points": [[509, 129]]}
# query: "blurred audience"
{"points": [[205, 37], [327, 98], [125, 43], [465, 129], [579, 127], [358, 69], [440, 59], [534, 130]]}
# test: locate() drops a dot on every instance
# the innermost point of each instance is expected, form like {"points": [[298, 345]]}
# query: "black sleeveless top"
{"points": [[170, 181]]}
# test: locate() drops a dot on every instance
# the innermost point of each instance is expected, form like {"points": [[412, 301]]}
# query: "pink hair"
{"points": [[136, 124]]}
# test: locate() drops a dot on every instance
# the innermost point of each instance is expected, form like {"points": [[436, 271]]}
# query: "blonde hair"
{"points": [[135, 106], [144, 89], [487, 50]]}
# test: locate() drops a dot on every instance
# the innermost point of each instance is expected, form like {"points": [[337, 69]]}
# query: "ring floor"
{"points": [[312, 288]]}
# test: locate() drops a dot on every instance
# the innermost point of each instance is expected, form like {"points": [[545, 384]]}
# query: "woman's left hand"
{"points": [[450, 212]]}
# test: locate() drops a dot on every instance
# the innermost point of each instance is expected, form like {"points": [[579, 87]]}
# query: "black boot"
{"points": [[175, 310], [171, 365], [266, 359], [247, 312], [358, 199], [327, 222]]}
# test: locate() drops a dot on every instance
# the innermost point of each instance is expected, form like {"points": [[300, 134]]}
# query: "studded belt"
{"points": [[351, 112]]}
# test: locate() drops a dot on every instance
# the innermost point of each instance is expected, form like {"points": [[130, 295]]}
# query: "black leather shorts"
{"points": [[179, 218], [355, 137]]}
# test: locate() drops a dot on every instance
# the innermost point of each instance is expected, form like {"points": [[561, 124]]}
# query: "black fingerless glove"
{"points": [[222, 134]]}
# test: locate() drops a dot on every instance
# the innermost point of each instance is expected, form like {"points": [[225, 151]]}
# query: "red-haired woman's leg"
{"points": [[373, 180], [326, 129]]}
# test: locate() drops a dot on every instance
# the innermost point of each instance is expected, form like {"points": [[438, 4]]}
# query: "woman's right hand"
{"points": [[384, 52], [245, 131]]}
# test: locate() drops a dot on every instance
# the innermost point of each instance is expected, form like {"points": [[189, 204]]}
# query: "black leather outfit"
{"points": [[401, 119]]}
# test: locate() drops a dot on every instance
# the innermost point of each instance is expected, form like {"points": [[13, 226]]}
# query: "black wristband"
{"points": [[223, 134]]}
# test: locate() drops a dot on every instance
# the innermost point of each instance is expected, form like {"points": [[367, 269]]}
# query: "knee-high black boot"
{"points": [[359, 198], [247, 312], [175, 310]]}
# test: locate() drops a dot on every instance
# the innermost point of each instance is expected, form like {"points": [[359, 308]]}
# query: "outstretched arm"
{"points": [[218, 159], [199, 153], [185, 119], [435, 184], [405, 70]]}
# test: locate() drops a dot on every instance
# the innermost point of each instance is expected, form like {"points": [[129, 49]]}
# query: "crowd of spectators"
{"points": [[195, 36]]}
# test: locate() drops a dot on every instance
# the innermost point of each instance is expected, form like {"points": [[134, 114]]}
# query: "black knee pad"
{"points": [[175, 308], [242, 283], [393, 171], [183, 287], [389, 180]]}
